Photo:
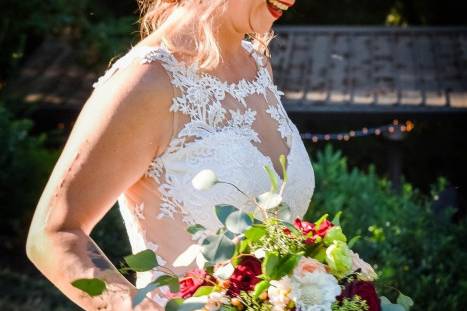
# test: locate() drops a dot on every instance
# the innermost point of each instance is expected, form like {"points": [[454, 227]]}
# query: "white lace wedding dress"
{"points": [[232, 128]]}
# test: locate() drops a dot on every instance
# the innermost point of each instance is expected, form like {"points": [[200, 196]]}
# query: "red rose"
{"points": [[323, 228], [304, 226], [366, 290], [190, 283], [245, 276], [311, 231]]}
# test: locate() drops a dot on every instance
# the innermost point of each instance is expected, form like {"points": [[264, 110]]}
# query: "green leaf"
{"points": [[353, 241], [93, 287], [203, 291], [143, 261], [283, 161], [217, 248], [284, 212], [260, 288], [173, 304], [223, 211], [193, 303], [168, 280], [286, 265], [290, 226], [321, 219], [255, 233], [270, 264], [141, 294], [337, 218], [237, 222], [195, 228], [405, 301], [272, 178], [386, 305], [392, 307]]}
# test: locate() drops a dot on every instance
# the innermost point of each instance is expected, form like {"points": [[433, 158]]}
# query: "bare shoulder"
{"points": [[139, 92]]}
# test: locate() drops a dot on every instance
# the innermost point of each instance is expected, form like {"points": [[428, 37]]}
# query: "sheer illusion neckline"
{"points": [[204, 75], [239, 90]]}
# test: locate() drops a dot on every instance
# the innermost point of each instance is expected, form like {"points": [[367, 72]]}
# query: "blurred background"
{"points": [[378, 90]]}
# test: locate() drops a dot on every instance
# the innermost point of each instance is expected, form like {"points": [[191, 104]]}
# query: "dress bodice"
{"points": [[233, 129]]}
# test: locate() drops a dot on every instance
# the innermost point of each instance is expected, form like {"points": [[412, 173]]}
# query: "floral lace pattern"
{"points": [[222, 138]]}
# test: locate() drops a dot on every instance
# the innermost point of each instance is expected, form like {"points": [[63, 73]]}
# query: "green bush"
{"points": [[24, 167], [414, 249]]}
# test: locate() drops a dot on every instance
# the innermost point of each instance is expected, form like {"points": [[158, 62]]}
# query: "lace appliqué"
{"points": [[196, 145], [201, 99]]}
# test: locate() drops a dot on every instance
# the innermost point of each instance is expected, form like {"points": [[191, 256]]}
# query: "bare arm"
{"points": [[123, 125]]}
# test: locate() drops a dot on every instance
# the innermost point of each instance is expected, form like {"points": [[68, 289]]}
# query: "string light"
{"points": [[392, 128]]}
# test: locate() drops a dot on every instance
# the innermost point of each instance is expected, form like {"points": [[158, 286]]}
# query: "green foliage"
{"points": [[142, 261], [25, 24], [217, 248], [413, 248], [275, 240], [254, 304], [24, 167], [93, 287], [356, 303]]}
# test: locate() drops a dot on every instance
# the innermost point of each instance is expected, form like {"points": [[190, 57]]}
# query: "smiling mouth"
{"points": [[278, 5]]}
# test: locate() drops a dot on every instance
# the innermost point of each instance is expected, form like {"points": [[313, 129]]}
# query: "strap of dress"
{"points": [[146, 55]]}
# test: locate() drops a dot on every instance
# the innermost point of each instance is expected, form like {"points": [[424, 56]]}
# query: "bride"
{"points": [[194, 93]]}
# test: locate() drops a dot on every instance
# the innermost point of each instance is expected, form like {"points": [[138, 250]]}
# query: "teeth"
{"points": [[278, 5]]}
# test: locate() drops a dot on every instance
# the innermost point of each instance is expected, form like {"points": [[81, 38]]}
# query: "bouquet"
{"points": [[265, 261]]}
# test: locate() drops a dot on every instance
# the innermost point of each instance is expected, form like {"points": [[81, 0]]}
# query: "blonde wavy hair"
{"points": [[169, 19]]}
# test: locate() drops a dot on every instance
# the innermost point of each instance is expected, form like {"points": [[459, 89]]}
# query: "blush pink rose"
{"points": [[308, 265]]}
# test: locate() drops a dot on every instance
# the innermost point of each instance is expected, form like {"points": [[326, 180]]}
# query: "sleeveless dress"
{"points": [[233, 129]]}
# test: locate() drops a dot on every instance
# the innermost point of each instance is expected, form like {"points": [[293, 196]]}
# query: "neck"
{"points": [[229, 40]]}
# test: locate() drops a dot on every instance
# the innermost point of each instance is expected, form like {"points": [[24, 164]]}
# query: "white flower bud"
{"points": [[204, 180]]}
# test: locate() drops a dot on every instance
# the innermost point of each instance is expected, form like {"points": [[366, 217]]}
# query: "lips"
{"points": [[277, 7]]}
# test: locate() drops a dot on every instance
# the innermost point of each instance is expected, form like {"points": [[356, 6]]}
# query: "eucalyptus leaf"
{"points": [[230, 234], [284, 212], [217, 248], [195, 228], [141, 294], [224, 272], [193, 303], [392, 307], [237, 222], [173, 304], [168, 280], [405, 301], [223, 211], [269, 200], [386, 305], [93, 287], [188, 256], [272, 178], [143, 261]]}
